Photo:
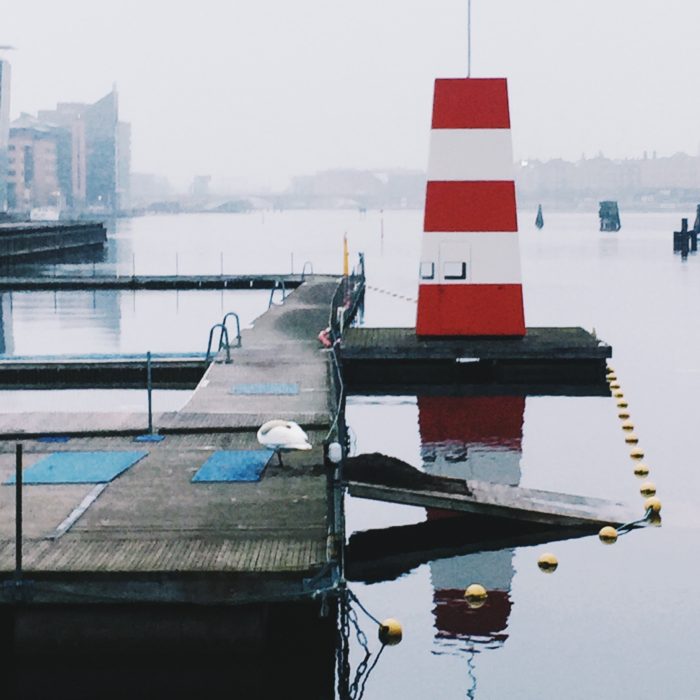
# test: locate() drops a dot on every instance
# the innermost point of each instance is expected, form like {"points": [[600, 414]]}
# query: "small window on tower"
{"points": [[454, 270], [427, 271]]}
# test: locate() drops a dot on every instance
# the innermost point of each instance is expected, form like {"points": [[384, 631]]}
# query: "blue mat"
{"points": [[79, 467], [234, 465], [258, 389], [53, 438], [149, 437]]}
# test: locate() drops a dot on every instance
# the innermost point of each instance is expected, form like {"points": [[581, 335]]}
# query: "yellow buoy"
{"points": [[390, 632], [631, 439], [615, 385], [623, 413], [618, 394], [636, 453], [641, 469], [608, 534], [548, 562], [654, 519], [654, 503], [476, 595], [622, 403], [648, 488], [628, 425]]}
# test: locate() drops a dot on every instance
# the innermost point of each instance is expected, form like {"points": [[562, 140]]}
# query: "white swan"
{"points": [[283, 436]]}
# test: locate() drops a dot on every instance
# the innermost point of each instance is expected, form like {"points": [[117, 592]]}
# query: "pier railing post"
{"points": [[149, 389], [18, 512]]}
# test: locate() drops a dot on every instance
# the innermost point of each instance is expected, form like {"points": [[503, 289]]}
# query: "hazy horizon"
{"points": [[267, 90]]}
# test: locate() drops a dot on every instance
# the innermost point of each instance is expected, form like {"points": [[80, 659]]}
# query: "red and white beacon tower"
{"points": [[470, 281]]}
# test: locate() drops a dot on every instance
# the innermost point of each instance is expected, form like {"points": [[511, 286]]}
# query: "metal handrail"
{"points": [[238, 326], [278, 283], [223, 333], [303, 269]]}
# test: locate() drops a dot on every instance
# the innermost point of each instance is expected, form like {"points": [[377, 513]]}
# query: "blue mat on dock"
{"points": [[234, 465], [258, 389], [79, 467]]}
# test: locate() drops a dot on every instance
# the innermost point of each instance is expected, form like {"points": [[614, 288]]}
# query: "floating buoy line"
{"points": [[476, 595], [389, 630]]}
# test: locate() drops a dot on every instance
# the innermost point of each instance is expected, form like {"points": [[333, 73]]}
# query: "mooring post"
{"points": [[18, 512], [149, 389], [684, 238]]}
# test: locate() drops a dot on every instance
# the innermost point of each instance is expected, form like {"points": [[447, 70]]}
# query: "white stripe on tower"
{"points": [[470, 265]]}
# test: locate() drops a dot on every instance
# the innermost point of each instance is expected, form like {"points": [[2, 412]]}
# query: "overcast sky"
{"points": [[265, 89]]}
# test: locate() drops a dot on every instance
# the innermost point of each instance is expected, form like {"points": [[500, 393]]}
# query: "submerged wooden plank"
{"points": [[510, 502]]}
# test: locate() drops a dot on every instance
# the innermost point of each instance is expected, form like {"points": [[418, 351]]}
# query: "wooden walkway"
{"points": [[108, 371], [153, 536], [163, 282]]}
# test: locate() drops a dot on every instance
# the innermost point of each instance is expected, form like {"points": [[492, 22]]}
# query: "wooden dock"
{"points": [[152, 536], [171, 371], [153, 282], [31, 239], [386, 356]]}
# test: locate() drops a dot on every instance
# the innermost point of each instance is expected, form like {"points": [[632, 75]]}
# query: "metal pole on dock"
{"points": [[18, 511], [149, 389]]}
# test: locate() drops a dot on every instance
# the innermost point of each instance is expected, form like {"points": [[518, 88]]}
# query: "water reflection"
{"points": [[473, 438]]}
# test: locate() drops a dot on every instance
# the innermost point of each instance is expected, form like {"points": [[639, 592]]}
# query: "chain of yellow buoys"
{"points": [[476, 594]]}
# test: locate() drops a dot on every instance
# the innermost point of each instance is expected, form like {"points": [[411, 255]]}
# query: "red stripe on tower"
{"points": [[470, 280]]}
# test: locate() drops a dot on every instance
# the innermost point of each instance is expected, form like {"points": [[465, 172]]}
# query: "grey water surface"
{"points": [[613, 621]]}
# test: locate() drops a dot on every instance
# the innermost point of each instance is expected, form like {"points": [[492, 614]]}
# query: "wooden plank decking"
{"points": [[153, 536]]}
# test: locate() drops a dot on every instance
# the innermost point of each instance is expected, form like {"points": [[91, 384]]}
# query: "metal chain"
{"points": [[391, 294]]}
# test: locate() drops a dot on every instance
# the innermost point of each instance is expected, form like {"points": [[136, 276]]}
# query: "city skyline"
{"points": [[270, 89]]}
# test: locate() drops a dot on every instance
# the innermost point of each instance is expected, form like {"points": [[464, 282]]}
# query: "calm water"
{"points": [[612, 621]]}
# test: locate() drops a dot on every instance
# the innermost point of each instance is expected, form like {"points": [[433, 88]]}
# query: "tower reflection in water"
{"points": [[473, 438]]}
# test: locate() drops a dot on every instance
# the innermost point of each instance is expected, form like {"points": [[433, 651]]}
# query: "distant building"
{"points": [[147, 189], [93, 153], [4, 129], [32, 172], [199, 189], [101, 129], [69, 124], [123, 166]]}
